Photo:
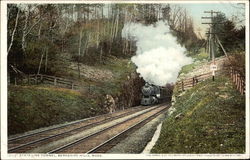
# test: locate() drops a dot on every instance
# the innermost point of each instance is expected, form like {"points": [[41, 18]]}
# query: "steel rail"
{"points": [[65, 125], [72, 130], [124, 133], [95, 133]]}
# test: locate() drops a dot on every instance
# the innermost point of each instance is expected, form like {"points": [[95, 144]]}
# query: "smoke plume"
{"points": [[159, 57]]}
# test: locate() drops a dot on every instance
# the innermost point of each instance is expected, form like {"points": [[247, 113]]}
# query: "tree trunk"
{"points": [[112, 30], [25, 30], [39, 31], [79, 53], [14, 30], [46, 60], [98, 30], [65, 30], [117, 25], [38, 71], [87, 45], [101, 53]]}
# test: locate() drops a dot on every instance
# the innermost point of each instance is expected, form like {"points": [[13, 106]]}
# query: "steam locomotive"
{"points": [[152, 94]]}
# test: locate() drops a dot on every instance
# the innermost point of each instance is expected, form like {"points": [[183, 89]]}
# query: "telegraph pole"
{"points": [[211, 32], [211, 38]]}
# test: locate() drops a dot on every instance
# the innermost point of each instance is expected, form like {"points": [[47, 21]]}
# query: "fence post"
{"points": [[240, 85], [182, 86], [193, 81], [21, 80], [231, 72], [233, 76], [28, 79], [55, 81], [213, 73], [237, 80], [196, 80], [41, 78], [15, 81], [36, 79], [238, 75], [72, 85], [244, 86]]}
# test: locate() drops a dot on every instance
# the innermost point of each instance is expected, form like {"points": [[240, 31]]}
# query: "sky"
{"points": [[196, 10]]}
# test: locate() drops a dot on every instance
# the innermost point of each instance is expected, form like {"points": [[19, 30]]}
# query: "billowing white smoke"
{"points": [[159, 57]]}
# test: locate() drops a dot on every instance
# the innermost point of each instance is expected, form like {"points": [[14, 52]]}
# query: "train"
{"points": [[152, 94]]}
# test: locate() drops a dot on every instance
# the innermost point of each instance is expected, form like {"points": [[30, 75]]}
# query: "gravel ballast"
{"points": [[138, 140], [47, 147]]}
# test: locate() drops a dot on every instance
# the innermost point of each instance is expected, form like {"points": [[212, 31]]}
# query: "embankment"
{"points": [[35, 106], [208, 118]]}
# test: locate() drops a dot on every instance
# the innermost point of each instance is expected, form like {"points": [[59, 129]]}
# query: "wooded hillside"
{"points": [[40, 35]]}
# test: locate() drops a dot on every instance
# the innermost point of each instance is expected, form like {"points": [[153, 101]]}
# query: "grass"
{"points": [[31, 107], [187, 68], [211, 119], [201, 56]]}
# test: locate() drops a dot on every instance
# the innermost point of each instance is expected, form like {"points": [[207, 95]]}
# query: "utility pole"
{"points": [[208, 43], [211, 39]]}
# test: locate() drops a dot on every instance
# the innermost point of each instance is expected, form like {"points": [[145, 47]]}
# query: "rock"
{"points": [[179, 116], [173, 100], [223, 96], [171, 110], [110, 104], [93, 73], [221, 88]]}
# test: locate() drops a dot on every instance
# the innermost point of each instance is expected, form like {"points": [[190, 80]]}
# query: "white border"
{"points": [[4, 154]]}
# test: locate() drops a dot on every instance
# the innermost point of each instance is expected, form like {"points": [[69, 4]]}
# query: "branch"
{"points": [[33, 27]]}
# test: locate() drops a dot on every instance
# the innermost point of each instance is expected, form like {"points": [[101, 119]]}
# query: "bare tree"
{"points": [[79, 53], [14, 30], [26, 28], [174, 16]]}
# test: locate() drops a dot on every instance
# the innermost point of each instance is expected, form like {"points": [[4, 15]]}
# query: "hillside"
{"points": [[32, 107], [208, 118], [35, 106]]}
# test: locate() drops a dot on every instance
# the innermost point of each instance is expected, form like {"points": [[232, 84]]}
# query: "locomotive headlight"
{"points": [[158, 95]]}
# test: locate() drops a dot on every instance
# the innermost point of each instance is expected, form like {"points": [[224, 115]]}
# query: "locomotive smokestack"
{"points": [[159, 57]]}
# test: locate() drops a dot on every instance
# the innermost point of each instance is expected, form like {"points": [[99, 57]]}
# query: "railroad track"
{"points": [[24, 143], [107, 145], [102, 140]]}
